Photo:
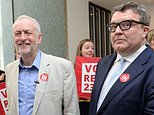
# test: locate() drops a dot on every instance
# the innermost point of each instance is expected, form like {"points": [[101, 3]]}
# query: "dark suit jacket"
{"points": [[134, 97]]}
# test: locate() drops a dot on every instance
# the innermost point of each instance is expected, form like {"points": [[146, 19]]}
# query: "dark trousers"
{"points": [[84, 108]]}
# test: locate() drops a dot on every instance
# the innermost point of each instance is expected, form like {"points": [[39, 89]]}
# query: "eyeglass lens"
{"points": [[124, 25]]}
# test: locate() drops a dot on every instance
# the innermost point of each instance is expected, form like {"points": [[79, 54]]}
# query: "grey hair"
{"points": [[145, 16], [37, 25]]}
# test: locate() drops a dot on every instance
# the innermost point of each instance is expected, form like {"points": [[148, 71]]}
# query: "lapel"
{"points": [[133, 70], [104, 67], [40, 88], [15, 86]]}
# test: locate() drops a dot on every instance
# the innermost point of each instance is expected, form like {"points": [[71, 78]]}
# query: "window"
{"points": [[99, 18]]}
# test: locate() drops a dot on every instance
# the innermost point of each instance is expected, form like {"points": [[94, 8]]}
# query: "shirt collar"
{"points": [[36, 62], [118, 58]]}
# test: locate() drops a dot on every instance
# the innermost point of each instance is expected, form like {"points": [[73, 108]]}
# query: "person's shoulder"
{"points": [[13, 63], [108, 57], [53, 58], [152, 57], [149, 53]]}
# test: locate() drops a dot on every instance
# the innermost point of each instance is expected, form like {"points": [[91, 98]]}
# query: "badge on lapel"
{"points": [[124, 77], [44, 77]]}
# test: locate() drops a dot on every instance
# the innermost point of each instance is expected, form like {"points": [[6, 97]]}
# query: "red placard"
{"points": [[3, 99], [85, 69]]}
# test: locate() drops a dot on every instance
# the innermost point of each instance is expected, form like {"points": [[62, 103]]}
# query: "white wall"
{"points": [[151, 9], [78, 24], [6, 41]]}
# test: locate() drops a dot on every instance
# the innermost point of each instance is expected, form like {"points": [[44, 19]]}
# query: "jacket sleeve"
{"points": [[70, 101]]}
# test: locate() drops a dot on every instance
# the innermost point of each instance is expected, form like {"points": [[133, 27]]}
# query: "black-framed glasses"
{"points": [[124, 25]]}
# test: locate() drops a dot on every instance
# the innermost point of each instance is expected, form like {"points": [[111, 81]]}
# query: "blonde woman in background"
{"points": [[150, 38], [85, 49]]}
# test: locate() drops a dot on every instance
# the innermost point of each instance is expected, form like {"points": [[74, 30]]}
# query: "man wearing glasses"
{"points": [[124, 83]]}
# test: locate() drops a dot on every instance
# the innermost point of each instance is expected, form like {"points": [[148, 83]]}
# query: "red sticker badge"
{"points": [[124, 77], [44, 77]]}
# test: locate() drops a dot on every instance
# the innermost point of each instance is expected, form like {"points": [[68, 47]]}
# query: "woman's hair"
{"points": [[79, 48], [150, 35], [2, 72]]}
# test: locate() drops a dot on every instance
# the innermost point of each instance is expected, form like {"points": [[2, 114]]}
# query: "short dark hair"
{"points": [[140, 9], [2, 72]]}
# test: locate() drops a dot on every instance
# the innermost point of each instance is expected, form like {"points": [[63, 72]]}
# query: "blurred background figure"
{"points": [[2, 76], [150, 38], [85, 49]]}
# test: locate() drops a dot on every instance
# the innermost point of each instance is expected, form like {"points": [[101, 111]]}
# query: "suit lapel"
{"points": [[15, 88], [101, 76], [40, 88], [133, 70]]}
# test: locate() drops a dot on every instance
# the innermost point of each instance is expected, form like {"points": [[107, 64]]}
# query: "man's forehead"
{"points": [[119, 16], [23, 25]]}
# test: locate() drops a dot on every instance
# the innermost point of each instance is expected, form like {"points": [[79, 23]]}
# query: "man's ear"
{"points": [[40, 38], [146, 30]]}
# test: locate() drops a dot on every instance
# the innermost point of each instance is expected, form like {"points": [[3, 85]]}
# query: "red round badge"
{"points": [[124, 77], [44, 77]]}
